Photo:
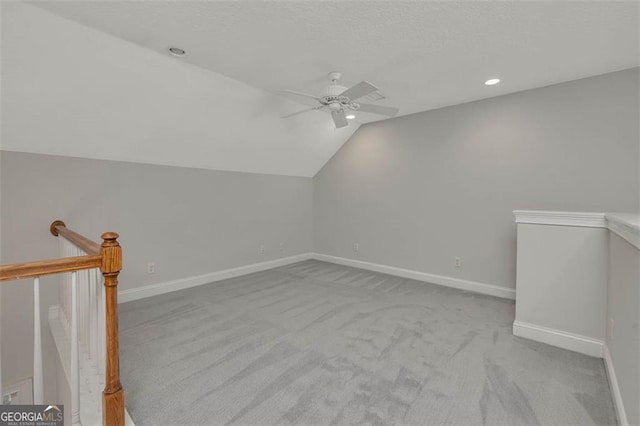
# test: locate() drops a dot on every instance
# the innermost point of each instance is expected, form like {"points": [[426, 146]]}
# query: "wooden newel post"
{"points": [[113, 394]]}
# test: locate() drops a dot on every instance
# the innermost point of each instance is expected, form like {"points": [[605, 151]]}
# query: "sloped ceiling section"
{"points": [[68, 89]]}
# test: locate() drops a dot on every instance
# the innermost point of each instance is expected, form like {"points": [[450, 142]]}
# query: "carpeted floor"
{"points": [[316, 343]]}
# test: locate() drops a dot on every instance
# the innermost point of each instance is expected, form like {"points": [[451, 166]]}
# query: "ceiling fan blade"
{"points": [[359, 90], [339, 119], [378, 109], [293, 92], [302, 111]]}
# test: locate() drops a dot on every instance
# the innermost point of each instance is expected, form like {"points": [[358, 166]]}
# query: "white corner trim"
{"points": [[626, 226], [615, 389], [476, 287], [539, 217], [561, 339], [182, 283]]}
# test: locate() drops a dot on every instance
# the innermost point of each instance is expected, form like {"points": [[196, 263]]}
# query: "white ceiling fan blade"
{"points": [[339, 119], [302, 111], [305, 95], [378, 109], [359, 90]]}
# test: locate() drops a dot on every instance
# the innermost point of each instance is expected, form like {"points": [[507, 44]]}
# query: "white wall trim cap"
{"points": [[561, 339], [182, 283], [615, 388], [472, 286], [585, 219], [626, 226]]}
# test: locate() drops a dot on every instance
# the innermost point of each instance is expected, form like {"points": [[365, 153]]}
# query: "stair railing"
{"points": [[89, 310]]}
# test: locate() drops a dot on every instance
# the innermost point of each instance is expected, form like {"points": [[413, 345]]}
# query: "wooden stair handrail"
{"points": [[58, 228], [107, 257], [39, 268]]}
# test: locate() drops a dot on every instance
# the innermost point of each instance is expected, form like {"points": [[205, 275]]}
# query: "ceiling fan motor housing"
{"points": [[331, 96]]}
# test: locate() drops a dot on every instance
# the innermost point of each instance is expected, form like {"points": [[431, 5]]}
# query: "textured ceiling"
{"points": [[422, 54]]}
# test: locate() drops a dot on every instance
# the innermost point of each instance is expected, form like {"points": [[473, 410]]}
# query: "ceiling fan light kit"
{"points": [[339, 99]]}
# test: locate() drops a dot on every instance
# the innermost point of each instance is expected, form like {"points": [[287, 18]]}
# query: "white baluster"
{"points": [[87, 310], [84, 304], [63, 280], [67, 291], [67, 288], [87, 313], [80, 304], [93, 317], [67, 302], [38, 381], [61, 276], [75, 367]]}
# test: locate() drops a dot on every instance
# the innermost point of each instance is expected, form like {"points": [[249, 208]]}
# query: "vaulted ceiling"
{"points": [[422, 54]]}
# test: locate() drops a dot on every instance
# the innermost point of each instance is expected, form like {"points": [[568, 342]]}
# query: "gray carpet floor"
{"points": [[315, 343]]}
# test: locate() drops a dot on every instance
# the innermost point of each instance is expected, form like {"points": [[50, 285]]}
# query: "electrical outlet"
{"points": [[612, 327], [262, 249], [356, 247], [151, 268], [281, 247], [457, 262]]}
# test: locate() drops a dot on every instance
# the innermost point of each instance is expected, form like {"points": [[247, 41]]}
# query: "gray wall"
{"points": [[416, 191], [413, 192], [188, 221]]}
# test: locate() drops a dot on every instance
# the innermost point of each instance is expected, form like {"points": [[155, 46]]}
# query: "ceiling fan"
{"points": [[338, 99]]}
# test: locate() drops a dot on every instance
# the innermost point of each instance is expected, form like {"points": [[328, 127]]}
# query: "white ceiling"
{"points": [[422, 54], [93, 78]]}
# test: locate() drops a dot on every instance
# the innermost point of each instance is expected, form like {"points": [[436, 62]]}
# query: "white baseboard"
{"points": [[180, 284], [561, 339], [615, 389], [473, 286]]}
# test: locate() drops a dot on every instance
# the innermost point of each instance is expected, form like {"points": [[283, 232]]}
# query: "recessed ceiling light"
{"points": [[492, 81], [176, 51], [350, 117]]}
